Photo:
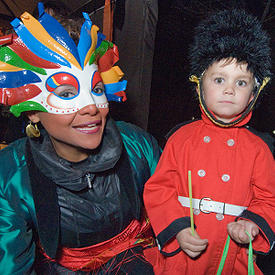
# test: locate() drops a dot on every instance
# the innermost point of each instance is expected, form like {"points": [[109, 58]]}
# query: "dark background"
{"points": [[159, 93], [165, 97], [173, 98]]}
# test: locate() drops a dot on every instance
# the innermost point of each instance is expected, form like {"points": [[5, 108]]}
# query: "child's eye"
{"points": [[219, 80], [241, 83]]}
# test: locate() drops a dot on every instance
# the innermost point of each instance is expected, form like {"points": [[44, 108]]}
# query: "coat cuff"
{"points": [[170, 232], [262, 224]]}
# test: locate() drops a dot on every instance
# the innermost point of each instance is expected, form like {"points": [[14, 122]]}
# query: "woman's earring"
{"points": [[32, 131]]}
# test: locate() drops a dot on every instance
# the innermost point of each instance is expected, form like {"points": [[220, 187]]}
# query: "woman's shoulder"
{"points": [[142, 148], [138, 139], [12, 156], [133, 132], [127, 127], [16, 145]]}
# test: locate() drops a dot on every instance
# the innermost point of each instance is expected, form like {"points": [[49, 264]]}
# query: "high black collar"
{"points": [[70, 174], [46, 206], [46, 200]]}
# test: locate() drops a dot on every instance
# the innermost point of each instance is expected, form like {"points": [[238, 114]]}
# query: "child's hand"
{"points": [[236, 230], [193, 246]]}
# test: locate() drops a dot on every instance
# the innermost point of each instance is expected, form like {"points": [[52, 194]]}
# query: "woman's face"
{"points": [[73, 135]]}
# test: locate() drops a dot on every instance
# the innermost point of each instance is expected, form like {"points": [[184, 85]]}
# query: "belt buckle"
{"points": [[201, 205]]}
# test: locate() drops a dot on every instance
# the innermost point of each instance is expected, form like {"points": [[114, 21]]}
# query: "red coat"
{"points": [[229, 165]]}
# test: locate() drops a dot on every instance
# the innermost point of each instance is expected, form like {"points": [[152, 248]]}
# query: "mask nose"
{"points": [[88, 97], [85, 98], [90, 109]]}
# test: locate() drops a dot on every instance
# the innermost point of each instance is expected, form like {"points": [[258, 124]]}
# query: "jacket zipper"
{"points": [[88, 177]]}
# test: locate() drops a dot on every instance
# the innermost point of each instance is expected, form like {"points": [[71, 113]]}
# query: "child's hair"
{"points": [[231, 34]]}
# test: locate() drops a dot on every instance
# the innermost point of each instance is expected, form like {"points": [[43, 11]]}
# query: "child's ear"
{"points": [[251, 97], [33, 116], [197, 90]]}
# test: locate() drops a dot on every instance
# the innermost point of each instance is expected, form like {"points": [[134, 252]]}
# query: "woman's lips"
{"points": [[89, 128]]}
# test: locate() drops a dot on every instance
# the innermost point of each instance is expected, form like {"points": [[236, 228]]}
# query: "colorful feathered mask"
{"points": [[41, 56]]}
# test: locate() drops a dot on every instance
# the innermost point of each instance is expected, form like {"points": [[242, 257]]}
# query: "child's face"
{"points": [[227, 88]]}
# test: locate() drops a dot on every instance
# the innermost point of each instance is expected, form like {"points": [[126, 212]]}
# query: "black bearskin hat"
{"points": [[231, 33]]}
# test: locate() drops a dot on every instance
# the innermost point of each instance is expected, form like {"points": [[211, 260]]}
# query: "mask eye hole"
{"points": [[66, 91], [63, 85], [99, 88]]}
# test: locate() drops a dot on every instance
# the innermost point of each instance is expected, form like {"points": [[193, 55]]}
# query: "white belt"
{"points": [[207, 205]]}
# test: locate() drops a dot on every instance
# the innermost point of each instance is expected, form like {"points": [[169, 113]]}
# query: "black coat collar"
{"points": [[46, 206], [46, 200], [70, 174]]}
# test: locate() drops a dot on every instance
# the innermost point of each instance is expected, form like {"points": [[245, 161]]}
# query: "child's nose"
{"points": [[229, 90], [90, 109]]}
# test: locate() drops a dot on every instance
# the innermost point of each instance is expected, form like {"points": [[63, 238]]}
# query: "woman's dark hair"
{"points": [[62, 14]]}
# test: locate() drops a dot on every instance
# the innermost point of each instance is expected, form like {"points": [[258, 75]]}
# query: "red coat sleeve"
{"points": [[262, 207], [166, 214]]}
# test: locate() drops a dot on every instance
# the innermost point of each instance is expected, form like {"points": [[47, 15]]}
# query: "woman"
{"points": [[71, 196]]}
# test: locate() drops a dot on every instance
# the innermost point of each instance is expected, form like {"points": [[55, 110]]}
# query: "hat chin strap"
{"points": [[220, 123]]}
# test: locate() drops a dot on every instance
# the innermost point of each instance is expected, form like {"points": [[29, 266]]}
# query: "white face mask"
{"points": [[43, 69], [67, 90]]}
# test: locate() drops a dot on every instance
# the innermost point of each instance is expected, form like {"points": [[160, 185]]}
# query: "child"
{"points": [[232, 170], [70, 194]]}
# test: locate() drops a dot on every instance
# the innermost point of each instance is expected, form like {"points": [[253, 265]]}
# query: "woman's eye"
{"points": [[218, 80], [65, 91], [99, 88], [67, 94]]}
